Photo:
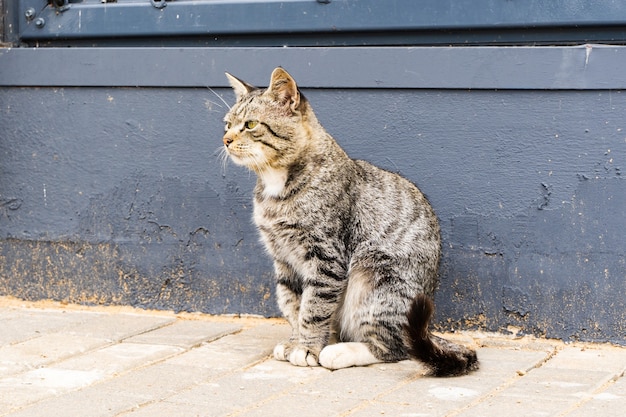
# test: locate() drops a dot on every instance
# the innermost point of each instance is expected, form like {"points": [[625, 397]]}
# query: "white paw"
{"points": [[345, 355], [301, 356], [280, 352]]}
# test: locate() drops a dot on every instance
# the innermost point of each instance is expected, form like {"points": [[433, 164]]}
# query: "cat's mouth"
{"points": [[236, 157], [244, 157]]}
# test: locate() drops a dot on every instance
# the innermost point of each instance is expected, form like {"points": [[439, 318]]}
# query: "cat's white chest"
{"points": [[273, 181]]}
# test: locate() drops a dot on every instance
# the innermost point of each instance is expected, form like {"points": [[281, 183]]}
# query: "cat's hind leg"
{"points": [[347, 354], [351, 349], [370, 324]]}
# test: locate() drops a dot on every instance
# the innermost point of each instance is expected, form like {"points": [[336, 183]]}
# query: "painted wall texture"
{"points": [[120, 196]]}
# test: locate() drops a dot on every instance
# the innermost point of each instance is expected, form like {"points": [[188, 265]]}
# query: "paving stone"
{"points": [[11, 368], [241, 390], [117, 327], [186, 333], [161, 380], [57, 380], [507, 360], [35, 385], [140, 386], [88, 402], [80, 371], [84, 332], [234, 351], [24, 324], [120, 357], [302, 406], [47, 348], [5, 407], [165, 409], [274, 331], [541, 392], [363, 383], [590, 359], [436, 396], [554, 383], [519, 343], [439, 396], [14, 396], [119, 364], [382, 409], [610, 402], [503, 405], [18, 392], [272, 370]]}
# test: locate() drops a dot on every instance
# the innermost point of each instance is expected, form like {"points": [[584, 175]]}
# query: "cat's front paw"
{"points": [[298, 355], [281, 351], [303, 356]]}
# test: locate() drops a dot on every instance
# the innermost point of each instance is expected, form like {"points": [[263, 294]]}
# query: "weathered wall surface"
{"points": [[120, 196]]}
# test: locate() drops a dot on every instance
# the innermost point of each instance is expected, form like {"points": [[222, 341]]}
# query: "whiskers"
{"points": [[220, 97], [223, 158], [243, 156]]}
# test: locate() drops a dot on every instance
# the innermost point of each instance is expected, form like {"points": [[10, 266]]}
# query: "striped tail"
{"points": [[444, 358]]}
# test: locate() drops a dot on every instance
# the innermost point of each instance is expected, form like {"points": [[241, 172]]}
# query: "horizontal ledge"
{"points": [[186, 18], [572, 67]]}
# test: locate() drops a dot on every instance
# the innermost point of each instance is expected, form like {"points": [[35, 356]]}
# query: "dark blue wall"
{"points": [[115, 195]]}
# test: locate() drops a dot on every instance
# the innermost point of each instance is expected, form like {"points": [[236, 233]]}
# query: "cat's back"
{"points": [[392, 210], [389, 189]]}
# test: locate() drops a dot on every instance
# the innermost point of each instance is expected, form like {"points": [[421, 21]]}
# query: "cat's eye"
{"points": [[227, 126], [251, 124]]}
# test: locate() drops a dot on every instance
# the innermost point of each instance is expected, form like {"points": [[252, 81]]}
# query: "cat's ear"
{"points": [[241, 87], [284, 89]]}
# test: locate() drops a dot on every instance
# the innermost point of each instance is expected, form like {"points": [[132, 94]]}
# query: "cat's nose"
{"points": [[227, 140]]}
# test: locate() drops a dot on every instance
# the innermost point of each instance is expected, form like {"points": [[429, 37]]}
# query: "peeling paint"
{"points": [[515, 301]]}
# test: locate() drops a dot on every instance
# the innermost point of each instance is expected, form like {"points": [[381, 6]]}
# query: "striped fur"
{"points": [[353, 245]]}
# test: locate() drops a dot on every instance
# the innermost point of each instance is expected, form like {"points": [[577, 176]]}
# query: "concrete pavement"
{"points": [[103, 362]]}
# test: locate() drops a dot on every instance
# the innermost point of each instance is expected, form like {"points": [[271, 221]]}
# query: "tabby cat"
{"points": [[356, 249]]}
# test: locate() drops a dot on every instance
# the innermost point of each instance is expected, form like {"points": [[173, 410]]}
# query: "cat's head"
{"points": [[265, 129]]}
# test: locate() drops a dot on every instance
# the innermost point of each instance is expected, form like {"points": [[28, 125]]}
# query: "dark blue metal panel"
{"points": [[581, 67], [118, 195], [93, 19]]}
